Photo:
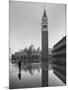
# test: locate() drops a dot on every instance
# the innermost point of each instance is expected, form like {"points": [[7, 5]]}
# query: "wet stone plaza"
{"points": [[30, 75]]}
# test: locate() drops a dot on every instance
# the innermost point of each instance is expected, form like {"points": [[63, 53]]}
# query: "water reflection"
{"points": [[44, 73], [31, 67], [19, 74], [22, 73]]}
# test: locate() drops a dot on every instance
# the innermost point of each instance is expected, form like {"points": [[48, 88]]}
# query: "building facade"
{"points": [[59, 59]]}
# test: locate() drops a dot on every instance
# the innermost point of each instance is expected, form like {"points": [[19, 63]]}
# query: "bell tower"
{"points": [[44, 31], [44, 28]]}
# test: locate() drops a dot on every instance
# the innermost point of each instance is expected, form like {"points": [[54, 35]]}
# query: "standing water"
{"points": [[29, 75]]}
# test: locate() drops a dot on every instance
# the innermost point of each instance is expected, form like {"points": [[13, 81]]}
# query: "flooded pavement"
{"points": [[53, 80], [29, 75]]}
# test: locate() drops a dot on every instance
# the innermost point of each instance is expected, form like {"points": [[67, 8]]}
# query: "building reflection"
{"points": [[30, 67]]}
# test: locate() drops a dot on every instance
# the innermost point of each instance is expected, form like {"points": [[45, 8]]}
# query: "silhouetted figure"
{"points": [[19, 74]]}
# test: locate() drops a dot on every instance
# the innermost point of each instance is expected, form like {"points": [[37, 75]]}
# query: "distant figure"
{"points": [[19, 74]]}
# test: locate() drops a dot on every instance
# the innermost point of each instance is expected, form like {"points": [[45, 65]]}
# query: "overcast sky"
{"points": [[25, 24]]}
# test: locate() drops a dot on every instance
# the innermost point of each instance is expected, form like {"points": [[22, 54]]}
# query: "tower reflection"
{"points": [[44, 73]]}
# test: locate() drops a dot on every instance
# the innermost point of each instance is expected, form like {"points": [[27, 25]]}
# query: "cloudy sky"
{"points": [[25, 24]]}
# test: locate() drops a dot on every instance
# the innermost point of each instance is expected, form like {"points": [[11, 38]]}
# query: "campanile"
{"points": [[44, 59]]}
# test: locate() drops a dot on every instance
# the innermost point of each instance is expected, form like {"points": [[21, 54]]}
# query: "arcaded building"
{"points": [[59, 59]]}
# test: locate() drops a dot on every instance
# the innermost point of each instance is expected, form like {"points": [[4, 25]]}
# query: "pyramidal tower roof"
{"points": [[44, 14]]}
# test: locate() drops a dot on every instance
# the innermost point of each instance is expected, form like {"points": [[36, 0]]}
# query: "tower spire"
{"points": [[44, 14]]}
